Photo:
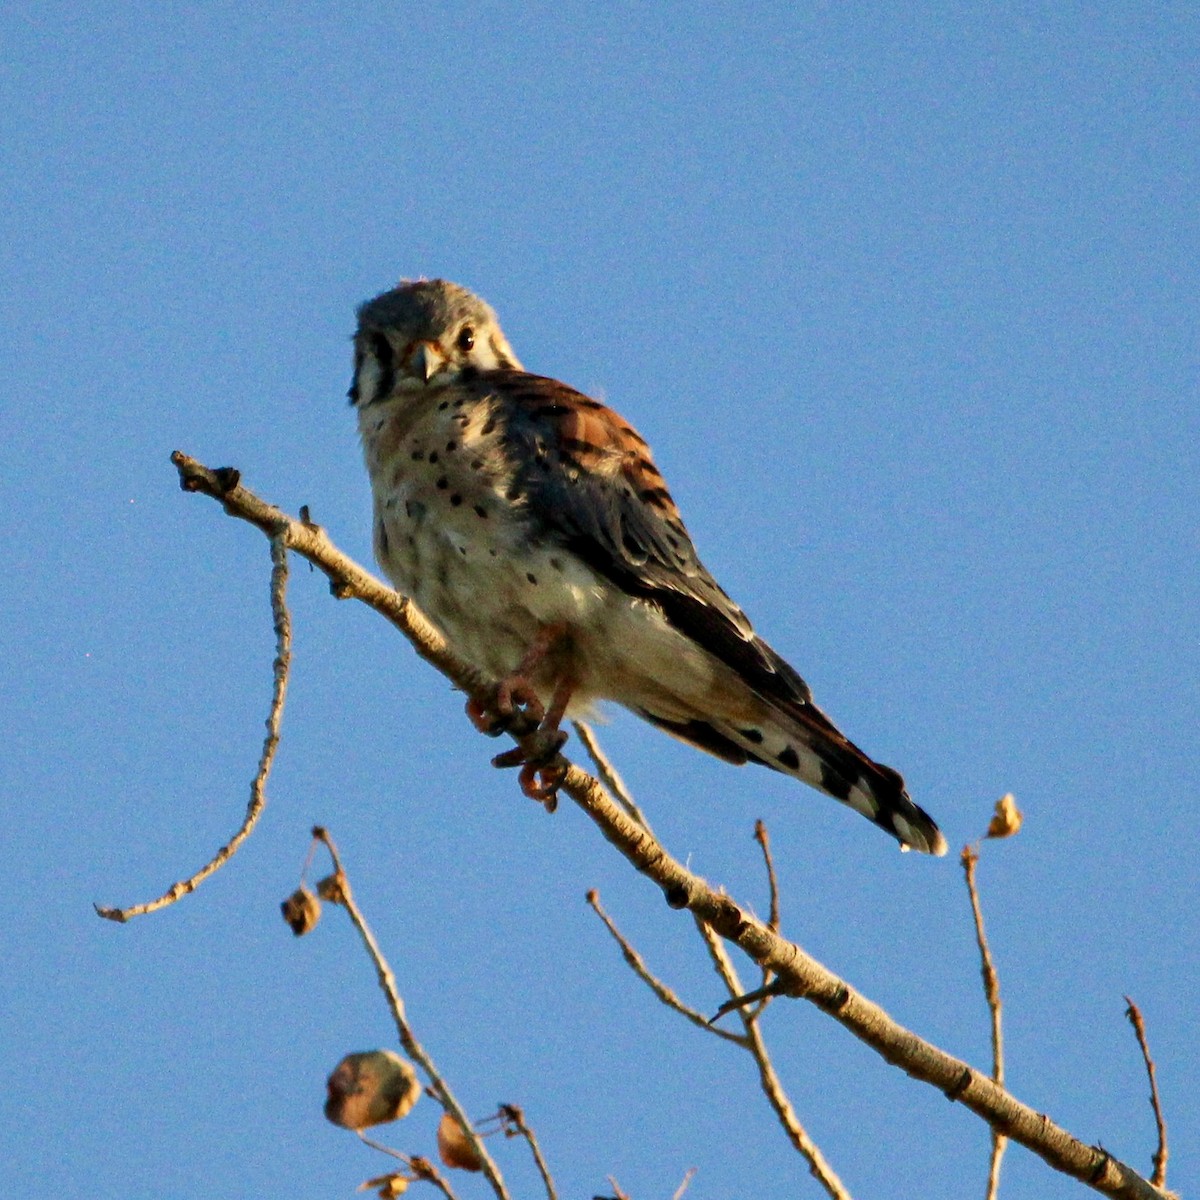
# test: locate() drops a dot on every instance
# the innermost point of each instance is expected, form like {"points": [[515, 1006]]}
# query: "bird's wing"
{"points": [[588, 479]]}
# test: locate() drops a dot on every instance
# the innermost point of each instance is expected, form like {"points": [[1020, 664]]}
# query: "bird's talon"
{"points": [[485, 717], [510, 758], [537, 749], [541, 783], [542, 771]]}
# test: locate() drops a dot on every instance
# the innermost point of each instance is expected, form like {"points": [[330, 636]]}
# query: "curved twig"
{"points": [[819, 1166], [751, 1040], [638, 965], [258, 792]]}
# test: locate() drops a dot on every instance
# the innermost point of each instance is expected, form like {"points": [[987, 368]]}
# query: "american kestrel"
{"points": [[529, 522]]}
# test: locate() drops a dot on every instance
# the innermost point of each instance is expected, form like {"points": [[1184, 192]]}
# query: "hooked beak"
{"points": [[426, 361]]}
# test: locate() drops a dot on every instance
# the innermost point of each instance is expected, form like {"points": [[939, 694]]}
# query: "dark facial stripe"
{"points": [[353, 392], [385, 356]]}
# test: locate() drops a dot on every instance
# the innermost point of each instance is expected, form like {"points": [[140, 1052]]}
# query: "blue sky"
{"points": [[904, 297]]}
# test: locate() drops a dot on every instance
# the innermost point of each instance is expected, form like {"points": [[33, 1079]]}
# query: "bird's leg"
{"points": [[513, 696], [542, 771]]}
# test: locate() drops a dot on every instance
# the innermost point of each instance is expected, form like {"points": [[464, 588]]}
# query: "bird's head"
{"points": [[424, 334]]}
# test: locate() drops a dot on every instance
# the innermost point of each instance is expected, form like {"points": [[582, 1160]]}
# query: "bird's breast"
{"points": [[451, 531]]}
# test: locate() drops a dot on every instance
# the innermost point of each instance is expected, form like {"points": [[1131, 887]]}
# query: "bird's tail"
{"points": [[800, 740]]}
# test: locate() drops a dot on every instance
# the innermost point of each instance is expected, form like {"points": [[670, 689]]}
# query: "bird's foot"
{"points": [[542, 769], [513, 707], [510, 707]]}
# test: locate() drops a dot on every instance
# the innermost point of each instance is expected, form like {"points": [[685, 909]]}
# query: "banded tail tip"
{"points": [[925, 836]]}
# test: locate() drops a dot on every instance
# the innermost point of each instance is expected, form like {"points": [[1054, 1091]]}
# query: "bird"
{"points": [[529, 522]]}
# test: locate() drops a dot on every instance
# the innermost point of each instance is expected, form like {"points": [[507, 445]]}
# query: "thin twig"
{"points": [[515, 1117], [818, 1165], [608, 773], [991, 991], [764, 840], [258, 794], [721, 960], [688, 1175], [656, 985], [755, 1000], [751, 1040], [421, 1168], [413, 1048], [1159, 1178], [800, 974], [773, 920]]}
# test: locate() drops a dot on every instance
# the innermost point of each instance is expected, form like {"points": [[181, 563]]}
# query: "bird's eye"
{"points": [[466, 339]]}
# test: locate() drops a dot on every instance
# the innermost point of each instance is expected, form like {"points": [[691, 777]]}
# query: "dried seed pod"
{"points": [[301, 910], [1007, 818], [333, 889], [453, 1146], [388, 1186], [371, 1088]]}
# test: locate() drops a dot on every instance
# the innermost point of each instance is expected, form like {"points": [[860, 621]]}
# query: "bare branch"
{"points": [[818, 1165], [751, 1040], [413, 1048], [773, 920], [346, 577], [802, 976], [799, 974], [719, 954], [258, 794], [750, 1000], [515, 1117], [991, 992], [608, 773], [656, 985], [1159, 1178]]}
